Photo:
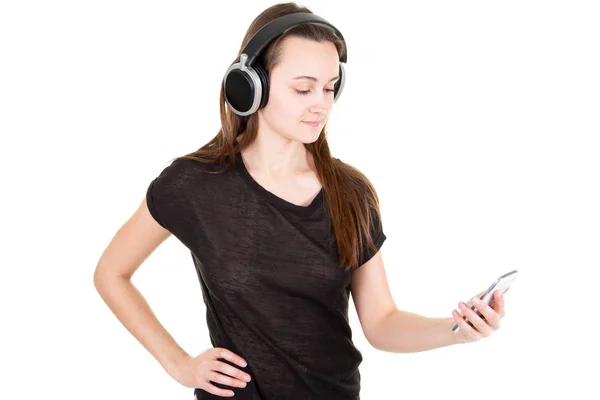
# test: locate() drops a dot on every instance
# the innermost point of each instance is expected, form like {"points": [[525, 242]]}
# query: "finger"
{"points": [[231, 371], [498, 303], [206, 386], [230, 356], [487, 312], [476, 320], [467, 330], [218, 377]]}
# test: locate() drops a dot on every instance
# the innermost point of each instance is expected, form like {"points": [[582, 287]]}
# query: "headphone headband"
{"points": [[278, 27]]}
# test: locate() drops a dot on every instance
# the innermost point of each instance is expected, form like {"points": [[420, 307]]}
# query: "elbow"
{"points": [[99, 276], [378, 328], [99, 280], [373, 341], [374, 344], [103, 278]]}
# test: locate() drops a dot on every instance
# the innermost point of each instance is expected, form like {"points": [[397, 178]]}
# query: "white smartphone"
{"points": [[502, 284]]}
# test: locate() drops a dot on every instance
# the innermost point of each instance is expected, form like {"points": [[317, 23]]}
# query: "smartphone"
{"points": [[502, 284]]}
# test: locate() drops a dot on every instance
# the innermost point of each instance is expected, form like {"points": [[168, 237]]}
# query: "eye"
{"points": [[305, 92]]}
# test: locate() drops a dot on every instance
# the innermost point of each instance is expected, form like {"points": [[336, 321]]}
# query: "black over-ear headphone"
{"points": [[246, 83]]}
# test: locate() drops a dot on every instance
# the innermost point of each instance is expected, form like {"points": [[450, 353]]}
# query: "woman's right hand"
{"points": [[197, 372]]}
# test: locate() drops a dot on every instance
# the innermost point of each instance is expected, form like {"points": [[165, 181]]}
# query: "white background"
{"points": [[477, 122]]}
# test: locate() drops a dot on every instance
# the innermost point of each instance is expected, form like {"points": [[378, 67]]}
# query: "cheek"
{"points": [[286, 108]]}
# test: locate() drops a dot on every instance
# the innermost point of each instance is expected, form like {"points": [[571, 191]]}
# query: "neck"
{"points": [[277, 157]]}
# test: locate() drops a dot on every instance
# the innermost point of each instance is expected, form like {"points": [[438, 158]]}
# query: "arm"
{"points": [[389, 329], [406, 332], [385, 326], [133, 311], [132, 244]]}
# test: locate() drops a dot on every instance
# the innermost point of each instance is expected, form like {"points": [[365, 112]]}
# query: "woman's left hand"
{"points": [[481, 327]]}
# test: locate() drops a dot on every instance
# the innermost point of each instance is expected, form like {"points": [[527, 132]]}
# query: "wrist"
{"points": [[173, 364], [448, 324]]}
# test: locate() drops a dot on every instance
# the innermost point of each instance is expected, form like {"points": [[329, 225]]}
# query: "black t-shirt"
{"points": [[274, 290]]}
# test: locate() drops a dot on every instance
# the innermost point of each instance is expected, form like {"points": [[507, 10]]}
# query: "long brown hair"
{"points": [[352, 199]]}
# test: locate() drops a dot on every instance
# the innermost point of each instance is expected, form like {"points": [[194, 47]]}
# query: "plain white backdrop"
{"points": [[477, 122]]}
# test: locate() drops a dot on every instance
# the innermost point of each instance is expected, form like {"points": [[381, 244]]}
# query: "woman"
{"points": [[280, 233]]}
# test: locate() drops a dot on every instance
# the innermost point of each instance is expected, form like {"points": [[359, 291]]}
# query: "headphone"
{"points": [[246, 83]]}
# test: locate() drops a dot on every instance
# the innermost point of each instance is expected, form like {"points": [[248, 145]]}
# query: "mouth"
{"points": [[313, 123]]}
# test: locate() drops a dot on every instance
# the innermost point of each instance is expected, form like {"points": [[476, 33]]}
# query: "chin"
{"points": [[307, 139], [310, 135], [303, 136]]}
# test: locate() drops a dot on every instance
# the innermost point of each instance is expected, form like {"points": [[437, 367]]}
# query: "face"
{"points": [[301, 89]]}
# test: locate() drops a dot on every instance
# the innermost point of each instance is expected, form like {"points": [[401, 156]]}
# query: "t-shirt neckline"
{"points": [[271, 197]]}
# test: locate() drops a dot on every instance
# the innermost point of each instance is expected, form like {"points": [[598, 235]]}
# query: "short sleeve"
{"points": [[378, 236], [167, 196]]}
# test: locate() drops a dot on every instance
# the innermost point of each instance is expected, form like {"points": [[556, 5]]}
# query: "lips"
{"points": [[313, 123]]}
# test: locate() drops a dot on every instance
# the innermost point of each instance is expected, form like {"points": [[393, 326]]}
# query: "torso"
{"points": [[274, 289]]}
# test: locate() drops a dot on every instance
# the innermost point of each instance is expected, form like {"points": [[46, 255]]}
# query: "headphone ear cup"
{"points": [[264, 82], [339, 85], [239, 89]]}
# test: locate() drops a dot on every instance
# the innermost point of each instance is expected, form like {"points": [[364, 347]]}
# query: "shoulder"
{"points": [[181, 166], [174, 179], [181, 169], [185, 174]]}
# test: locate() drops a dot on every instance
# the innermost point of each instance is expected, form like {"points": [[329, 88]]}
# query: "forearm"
{"points": [[405, 332], [133, 311]]}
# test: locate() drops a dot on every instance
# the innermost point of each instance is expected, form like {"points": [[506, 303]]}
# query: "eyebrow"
{"points": [[312, 78]]}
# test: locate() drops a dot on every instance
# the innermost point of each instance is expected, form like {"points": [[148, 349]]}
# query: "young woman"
{"points": [[280, 234]]}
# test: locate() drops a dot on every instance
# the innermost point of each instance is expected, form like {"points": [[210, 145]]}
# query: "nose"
{"points": [[319, 110], [318, 114], [322, 106]]}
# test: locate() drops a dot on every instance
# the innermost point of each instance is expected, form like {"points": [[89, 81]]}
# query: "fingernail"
{"points": [[476, 300]]}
